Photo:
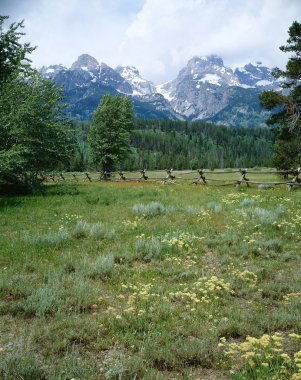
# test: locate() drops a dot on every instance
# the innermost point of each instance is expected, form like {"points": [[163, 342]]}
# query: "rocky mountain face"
{"points": [[204, 89]]}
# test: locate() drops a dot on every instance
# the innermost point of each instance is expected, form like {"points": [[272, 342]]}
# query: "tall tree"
{"points": [[287, 104], [34, 135], [110, 134]]}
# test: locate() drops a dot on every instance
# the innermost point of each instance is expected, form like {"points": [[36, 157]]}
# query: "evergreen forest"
{"points": [[160, 144]]}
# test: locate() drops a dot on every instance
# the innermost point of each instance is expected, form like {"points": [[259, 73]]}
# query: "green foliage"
{"points": [[13, 55], [287, 106], [109, 135], [34, 135], [285, 147]]}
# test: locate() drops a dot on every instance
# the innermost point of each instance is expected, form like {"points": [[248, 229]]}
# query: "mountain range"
{"points": [[205, 89]]}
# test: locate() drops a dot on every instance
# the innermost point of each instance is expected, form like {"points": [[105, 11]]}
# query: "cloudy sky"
{"points": [[156, 36]]}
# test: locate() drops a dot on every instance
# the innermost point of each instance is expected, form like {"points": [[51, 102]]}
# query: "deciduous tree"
{"points": [[34, 135], [110, 134]]}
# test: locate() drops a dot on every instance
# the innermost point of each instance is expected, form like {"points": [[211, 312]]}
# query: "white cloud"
{"points": [[157, 36], [173, 31], [64, 29]]}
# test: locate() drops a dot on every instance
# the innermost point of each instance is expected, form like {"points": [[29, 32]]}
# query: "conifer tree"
{"points": [[287, 104]]}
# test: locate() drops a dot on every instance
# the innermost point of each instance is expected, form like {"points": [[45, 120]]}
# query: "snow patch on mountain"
{"points": [[212, 79], [139, 85], [163, 89]]}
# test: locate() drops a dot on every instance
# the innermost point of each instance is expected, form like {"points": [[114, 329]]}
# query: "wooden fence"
{"points": [[195, 177]]}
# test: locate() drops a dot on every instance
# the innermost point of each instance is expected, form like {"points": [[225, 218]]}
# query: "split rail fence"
{"points": [[174, 177]]}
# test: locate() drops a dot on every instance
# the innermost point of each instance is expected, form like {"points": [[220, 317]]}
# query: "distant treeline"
{"points": [[160, 144]]}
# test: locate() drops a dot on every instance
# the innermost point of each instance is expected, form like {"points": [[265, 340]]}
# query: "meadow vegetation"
{"points": [[149, 281]]}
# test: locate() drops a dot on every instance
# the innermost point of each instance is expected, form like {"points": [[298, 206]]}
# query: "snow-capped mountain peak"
{"points": [[52, 70], [255, 75], [139, 85], [86, 62], [203, 90]]}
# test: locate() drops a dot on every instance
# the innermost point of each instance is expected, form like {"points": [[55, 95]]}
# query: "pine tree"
{"points": [[287, 104], [110, 134]]}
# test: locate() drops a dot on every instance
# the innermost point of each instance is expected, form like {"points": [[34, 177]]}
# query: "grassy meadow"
{"points": [[150, 281]]}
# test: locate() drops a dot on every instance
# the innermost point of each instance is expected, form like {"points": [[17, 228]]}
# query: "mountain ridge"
{"points": [[205, 89]]}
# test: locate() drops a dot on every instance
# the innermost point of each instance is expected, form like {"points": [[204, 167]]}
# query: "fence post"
{"points": [[74, 176], [243, 177], [202, 177], [88, 177], [104, 174], [142, 172], [169, 175], [296, 178], [122, 176]]}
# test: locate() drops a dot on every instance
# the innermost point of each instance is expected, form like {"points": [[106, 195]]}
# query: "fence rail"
{"points": [[172, 177]]}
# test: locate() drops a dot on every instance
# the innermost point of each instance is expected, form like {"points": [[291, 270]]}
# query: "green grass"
{"points": [[143, 280]]}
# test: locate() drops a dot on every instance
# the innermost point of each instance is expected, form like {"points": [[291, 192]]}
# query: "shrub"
{"points": [[51, 238], [214, 207], [102, 267], [84, 229], [19, 366], [81, 229], [247, 202], [43, 301], [150, 247], [151, 209], [75, 367]]}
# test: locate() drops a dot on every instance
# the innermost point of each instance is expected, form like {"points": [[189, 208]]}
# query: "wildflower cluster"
{"points": [[235, 224], [141, 299], [132, 224], [235, 198], [183, 240], [204, 215], [232, 198], [297, 359], [138, 300], [67, 220], [204, 290], [289, 227], [267, 353], [186, 261], [253, 238], [292, 298], [246, 277]]}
